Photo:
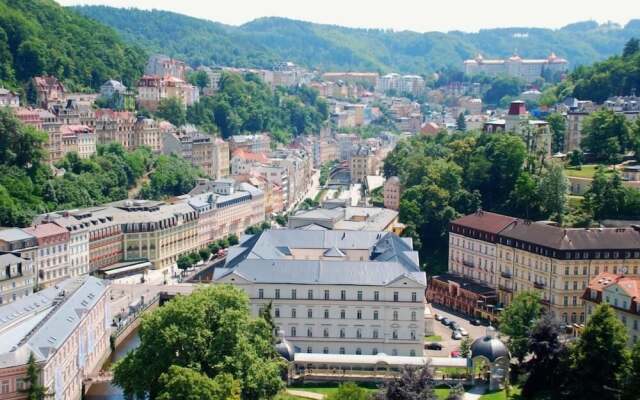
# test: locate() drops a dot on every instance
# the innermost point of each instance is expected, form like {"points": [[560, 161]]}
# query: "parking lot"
{"points": [[448, 344]]}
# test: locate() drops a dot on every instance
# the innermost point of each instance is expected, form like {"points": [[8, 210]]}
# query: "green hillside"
{"points": [[41, 37], [327, 47]]}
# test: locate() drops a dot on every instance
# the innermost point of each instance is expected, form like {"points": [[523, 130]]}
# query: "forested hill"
{"points": [[261, 42], [41, 37]]}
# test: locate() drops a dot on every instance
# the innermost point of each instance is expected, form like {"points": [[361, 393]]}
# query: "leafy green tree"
{"points": [[204, 254], [233, 239], [35, 390], [547, 354], [632, 381], [601, 347], [465, 347], [184, 262], [557, 125], [517, 321], [576, 158], [223, 243], [212, 332], [213, 247], [609, 198], [199, 79], [195, 258], [412, 384], [349, 391], [171, 176], [20, 145], [525, 200], [266, 314], [500, 87], [461, 124], [172, 110], [553, 191], [605, 134], [180, 383], [632, 47]]}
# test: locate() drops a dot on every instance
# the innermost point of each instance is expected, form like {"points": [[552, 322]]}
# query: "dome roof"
{"points": [[393, 179], [489, 347], [284, 348]]}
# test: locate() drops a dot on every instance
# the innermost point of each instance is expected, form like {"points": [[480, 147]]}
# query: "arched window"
{"points": [[413, 335], [293, 313], [309, 313], [359, 314], [326, 314]]}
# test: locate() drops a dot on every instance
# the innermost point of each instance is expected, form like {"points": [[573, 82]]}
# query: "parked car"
{"points": [[456, 354], [433, 346], [438, 317], [463, 332], [455, 335], [476, 322], [454, 326], [445, 321]]}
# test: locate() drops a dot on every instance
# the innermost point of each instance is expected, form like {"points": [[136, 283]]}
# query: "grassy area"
{"points": [[574, 201], [586, 171], [502, 395], [433, 338], [330, 387], [442, 393], [284, 396]]}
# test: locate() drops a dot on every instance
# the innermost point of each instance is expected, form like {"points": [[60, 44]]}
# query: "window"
{"points": [[413, 335], [325, 350], [374, 351], [375, 333], [375, 315], [359, 333], [359, 314], [413, 315], [261, 293], [395, 334], [293, 294], [343, 295], [309, 313], [4, 387], [277, 293], [414, 297], [309, 332], [358, 351], [293, 313], [394, 352], [309, 349], [343, 314], [395, 296], [325, 332], [412, 353], [326, 313], [310, 294], [277, 312], [293, 331], [341, 350], [359, 295], [376, 296], [395, 315], [342, 333], [326, 295], [565, 300]]}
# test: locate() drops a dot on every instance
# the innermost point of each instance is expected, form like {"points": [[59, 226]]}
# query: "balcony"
{"points": [[469, 264], [539, 285], [506, 275], [505, 288]]}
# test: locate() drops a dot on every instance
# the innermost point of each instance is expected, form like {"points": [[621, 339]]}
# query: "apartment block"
{"points": [[53, 253]]}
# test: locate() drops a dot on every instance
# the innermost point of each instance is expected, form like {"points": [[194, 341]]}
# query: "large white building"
{"points": [[526, 69], [334, 292]]}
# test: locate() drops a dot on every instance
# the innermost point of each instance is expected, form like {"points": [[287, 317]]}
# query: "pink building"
{"points": [[392, 192], [52, 258]]}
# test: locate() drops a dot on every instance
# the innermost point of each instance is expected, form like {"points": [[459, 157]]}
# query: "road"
{"points": [[448, 344]]}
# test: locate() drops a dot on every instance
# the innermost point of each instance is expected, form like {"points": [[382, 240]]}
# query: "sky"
{"points": [[415, 15]]}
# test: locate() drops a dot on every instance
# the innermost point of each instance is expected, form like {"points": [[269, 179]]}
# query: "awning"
{"points": [[128, 268]]}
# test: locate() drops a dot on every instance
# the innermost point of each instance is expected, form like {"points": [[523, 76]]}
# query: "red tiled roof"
{"points": [[41, 231], [603, 280], [485, 221], [247, 155]]}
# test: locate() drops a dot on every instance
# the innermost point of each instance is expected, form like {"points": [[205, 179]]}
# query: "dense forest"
{"points": [[40, 37], [28, 187], [617, 76], [247, 104], [263, 41]]}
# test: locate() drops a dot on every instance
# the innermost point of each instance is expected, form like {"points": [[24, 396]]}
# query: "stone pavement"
{"points": [[475, 392], [305, 394]]}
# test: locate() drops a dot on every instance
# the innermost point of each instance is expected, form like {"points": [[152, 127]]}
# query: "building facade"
{"points": [[334, 292], [53, 253], [526, 69], [392, 190]]}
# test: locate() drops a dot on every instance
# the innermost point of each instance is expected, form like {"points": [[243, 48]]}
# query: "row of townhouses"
{"points": [[102, 239]]}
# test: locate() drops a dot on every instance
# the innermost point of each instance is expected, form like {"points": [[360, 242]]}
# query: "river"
{"points": [[108, 391]]}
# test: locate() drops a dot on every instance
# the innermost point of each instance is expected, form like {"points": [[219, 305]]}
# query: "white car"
{"points": [[455, 335], [463, 331]]}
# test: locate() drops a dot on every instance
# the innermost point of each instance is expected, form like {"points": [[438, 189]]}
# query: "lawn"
{"points": [[284, 396], [442, 393], [501, 395], [433, 338], [587, 171], [330, 387]]}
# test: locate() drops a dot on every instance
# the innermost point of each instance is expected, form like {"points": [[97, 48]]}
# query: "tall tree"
{"points": [[632, 382], [547, 354], [517, 321], [35, 390], [606, 134], [553, 191], [461, 124], [413, 384], [172, 110], [180, 383], [213, 333], [557, 124], [631, 48], [600, 358]]}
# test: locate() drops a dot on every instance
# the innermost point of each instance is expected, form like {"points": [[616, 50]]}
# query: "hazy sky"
{"points": [[417, 15]]}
